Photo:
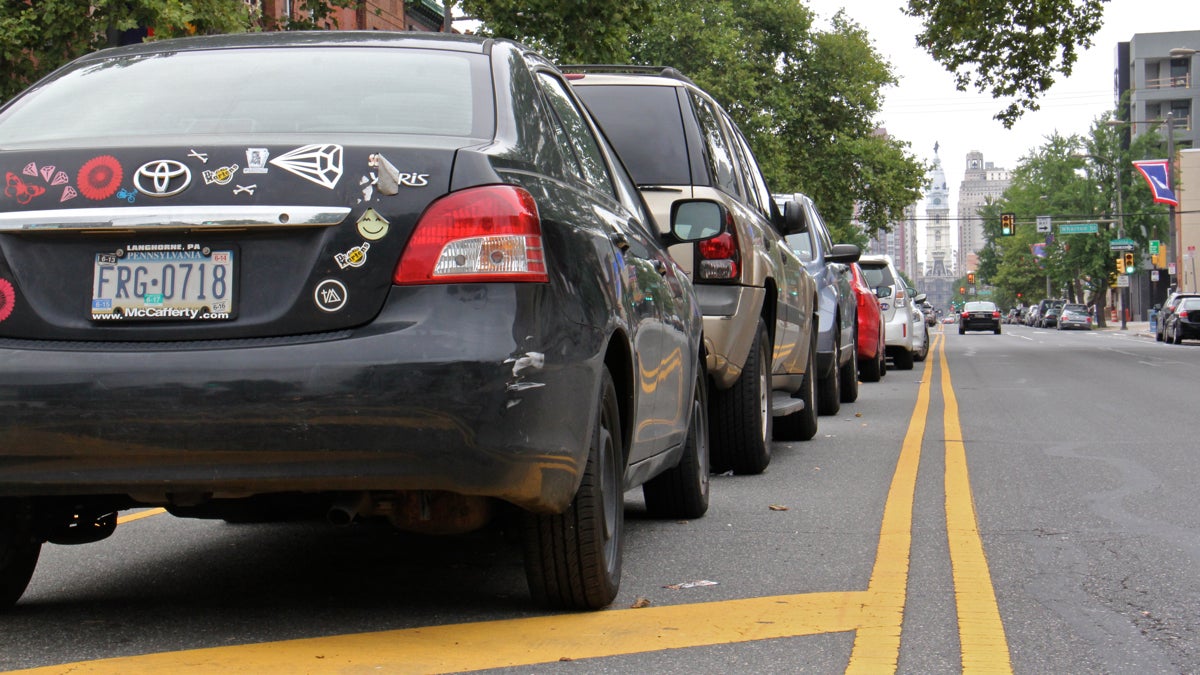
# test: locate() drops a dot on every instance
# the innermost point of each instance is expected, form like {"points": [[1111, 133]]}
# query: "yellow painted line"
{"points": [[121, 520], [521, 642], [980, 630], [877, 646]]}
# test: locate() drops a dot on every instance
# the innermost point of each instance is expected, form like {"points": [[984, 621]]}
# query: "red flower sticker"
{"points": [[8, 298], [100, 177]]}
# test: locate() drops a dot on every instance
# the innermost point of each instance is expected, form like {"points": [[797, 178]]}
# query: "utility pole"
{"points": [[1172, 263]]}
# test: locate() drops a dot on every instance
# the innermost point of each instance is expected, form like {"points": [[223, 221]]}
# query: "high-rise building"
{"points": [[982, 184], [938, 276], [1157, 72]]}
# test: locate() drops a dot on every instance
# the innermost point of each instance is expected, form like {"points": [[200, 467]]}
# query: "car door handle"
{"points": [[619, 240], [660, 267]]}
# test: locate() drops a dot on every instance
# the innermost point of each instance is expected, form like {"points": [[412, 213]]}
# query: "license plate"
{"points": [[164, 282]]}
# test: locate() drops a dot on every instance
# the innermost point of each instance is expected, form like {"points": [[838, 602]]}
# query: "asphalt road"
{"points": [[1041, 517]]}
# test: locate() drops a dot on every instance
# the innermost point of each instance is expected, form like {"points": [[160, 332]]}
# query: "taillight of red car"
{"points": [[478, 235]]}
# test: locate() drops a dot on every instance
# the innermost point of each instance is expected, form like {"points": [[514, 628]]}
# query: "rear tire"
{"points": [[829, 388], [682, 491], [850, 375], [802, 424], [872, 370], [19, 553], [573, 559], [903, 359], [741, 415]]}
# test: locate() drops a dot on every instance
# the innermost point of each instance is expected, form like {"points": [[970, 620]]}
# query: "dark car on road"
{"points": [[1183, 322], [979, 315], [1167, 309], [356, 275]]}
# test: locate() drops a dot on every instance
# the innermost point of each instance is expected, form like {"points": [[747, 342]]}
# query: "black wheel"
{"points": [[903, 359], [573, 559], [682, 491], [872, 370], [18, 552], [829, 387], [850, 375], [920, 355], [741, 415], [997, 331], [802, 424], [962, 331]]}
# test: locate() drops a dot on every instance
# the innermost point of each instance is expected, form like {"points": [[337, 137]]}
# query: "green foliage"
{"points": [[1011, 49], [38, 36], [576, 31], [806, 101]]}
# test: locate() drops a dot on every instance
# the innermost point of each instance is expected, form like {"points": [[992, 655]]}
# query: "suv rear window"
{"points": [[646, 127], [877, 276]]}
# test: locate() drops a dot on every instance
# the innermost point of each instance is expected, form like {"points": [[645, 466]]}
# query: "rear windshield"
{"points": [[645, 125], [259, 91], [877, 276]]}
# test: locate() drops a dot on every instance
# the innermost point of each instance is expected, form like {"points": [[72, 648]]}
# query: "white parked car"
{"points": [[907, 335]]}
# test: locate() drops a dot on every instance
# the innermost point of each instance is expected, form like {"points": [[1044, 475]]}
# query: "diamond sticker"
{"points": [[321, 164]]}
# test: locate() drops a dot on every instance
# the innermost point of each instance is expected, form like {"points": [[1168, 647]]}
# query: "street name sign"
{"points": [[1079, 228], [1121, 245]]}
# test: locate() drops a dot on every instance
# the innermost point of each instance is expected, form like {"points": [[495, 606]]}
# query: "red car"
{"points": [[872, 360]]}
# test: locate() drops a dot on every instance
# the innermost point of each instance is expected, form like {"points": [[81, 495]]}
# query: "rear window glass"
{"points": [[645, 126], [877, 276], [979, 307], [260, 91]]}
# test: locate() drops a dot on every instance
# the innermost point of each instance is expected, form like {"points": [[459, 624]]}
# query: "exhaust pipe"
{"points": [[346, 508]]}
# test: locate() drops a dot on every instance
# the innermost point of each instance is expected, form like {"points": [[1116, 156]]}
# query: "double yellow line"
{"points": [[876, 614]]}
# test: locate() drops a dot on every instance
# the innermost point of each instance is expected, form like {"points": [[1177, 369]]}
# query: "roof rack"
{"points": [[661, 71]]}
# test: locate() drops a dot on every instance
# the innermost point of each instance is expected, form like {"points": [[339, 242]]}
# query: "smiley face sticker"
{"points": [[372, 226]]}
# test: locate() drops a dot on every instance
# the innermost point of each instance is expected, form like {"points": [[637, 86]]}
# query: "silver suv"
{"points": [[759, 302], [907, 336]]}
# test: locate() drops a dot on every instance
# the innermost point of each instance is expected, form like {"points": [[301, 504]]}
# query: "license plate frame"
{"points": [[156, 282]]}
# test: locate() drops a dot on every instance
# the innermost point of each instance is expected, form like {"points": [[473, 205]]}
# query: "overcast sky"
{"points": [[925, 108]]}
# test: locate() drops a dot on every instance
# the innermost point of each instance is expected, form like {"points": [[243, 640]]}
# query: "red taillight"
{"points": [[995, 315], [966, 315], [483, 234], [718, 257], [1183, 314]]}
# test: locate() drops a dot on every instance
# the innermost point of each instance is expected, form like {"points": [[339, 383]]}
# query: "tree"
{"points": [[596, 31], [37, 36], [1012, 49]]}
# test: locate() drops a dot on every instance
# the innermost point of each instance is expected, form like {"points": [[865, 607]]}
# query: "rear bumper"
{"points": [[731, 316], [484, 395]]}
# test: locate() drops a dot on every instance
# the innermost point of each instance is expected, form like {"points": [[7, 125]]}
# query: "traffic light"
{"points": [[1120, 264], [962, 290], [1008, 224], [1130, 268], [970, 277]]}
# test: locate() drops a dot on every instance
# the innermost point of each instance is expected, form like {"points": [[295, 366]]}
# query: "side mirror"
{"points": [[795, 218], [844, 253], [920, 297], [695, 220]]}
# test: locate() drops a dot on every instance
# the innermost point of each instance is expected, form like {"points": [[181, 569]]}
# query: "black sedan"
{"points": [[360, 275], [1183, 321], [979, 315]]}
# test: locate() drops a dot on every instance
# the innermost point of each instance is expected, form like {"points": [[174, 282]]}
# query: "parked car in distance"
{"points": [[872, 342], [930, 314], [1012, 315], [759, 304], [1048, 312], [268, 281], [979, 315], [1167, 309], [1074, 315], [1183, 322], [905, 329], [1031, 317], [828, 264]]}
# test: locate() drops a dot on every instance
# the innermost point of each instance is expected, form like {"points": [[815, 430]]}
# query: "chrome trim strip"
{"points": [[172, 217]]}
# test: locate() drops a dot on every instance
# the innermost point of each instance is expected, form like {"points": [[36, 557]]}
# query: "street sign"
{"points": [[1122, 281], [1043, 223], [1122, 245], [1154, 246], [985, 292], [1079, 228]]}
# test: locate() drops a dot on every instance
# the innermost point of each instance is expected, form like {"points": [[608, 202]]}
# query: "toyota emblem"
{"points": [[166, 178]]}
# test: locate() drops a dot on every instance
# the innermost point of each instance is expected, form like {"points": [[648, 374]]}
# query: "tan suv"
{"points": [[759, 302]]}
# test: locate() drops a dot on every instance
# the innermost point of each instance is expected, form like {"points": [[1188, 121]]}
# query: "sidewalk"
{"points": [[1139, 328]]}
